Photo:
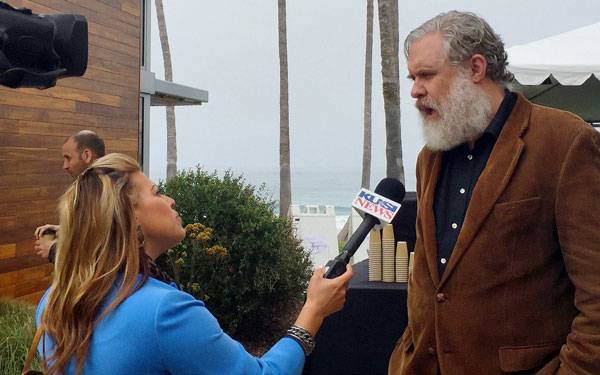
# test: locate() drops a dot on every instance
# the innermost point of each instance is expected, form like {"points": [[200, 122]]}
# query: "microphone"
{"points": [[375, 207]]}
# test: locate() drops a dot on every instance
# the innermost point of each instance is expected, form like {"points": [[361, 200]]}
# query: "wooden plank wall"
{"points": [[35, 123]]}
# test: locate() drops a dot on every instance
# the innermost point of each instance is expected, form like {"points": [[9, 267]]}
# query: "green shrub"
{"points": [[242, 261], [17, 328]]}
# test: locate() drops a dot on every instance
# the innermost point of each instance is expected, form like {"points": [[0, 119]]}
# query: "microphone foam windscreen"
{"points": [[391, 188]]}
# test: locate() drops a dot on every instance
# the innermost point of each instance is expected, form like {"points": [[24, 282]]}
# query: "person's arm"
{"points": [[190, 339], [578, 226]]}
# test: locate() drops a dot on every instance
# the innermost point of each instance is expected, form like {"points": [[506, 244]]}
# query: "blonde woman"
{"points": [[108, 311]]}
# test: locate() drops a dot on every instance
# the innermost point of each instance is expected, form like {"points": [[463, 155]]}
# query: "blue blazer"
{"points": [[162, 330]]}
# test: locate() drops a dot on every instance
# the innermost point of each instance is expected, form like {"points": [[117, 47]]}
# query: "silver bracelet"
{"points": [[303, 337]]}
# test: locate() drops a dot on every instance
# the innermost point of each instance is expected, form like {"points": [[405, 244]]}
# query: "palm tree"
{"points": [[388, 29], [171, 129], [366, 160], [285, 189]]}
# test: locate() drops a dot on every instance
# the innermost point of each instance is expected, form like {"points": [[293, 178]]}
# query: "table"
{"points": [[360, 338]]}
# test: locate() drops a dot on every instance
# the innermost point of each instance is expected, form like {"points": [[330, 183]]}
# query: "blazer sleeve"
{"points": [[578, 225], [191, 341]]}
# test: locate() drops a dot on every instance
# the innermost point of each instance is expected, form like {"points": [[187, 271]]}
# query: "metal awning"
{"points": [[163, 93]]}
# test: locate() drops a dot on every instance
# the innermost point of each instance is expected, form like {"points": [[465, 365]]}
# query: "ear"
{"points": [[86, 156], [478, 66]]}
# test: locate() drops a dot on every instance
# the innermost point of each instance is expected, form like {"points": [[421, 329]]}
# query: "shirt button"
{"points": [[440, 297], [470, 157], [443, 260], [454, 225], [431, 350], [462, 190]]}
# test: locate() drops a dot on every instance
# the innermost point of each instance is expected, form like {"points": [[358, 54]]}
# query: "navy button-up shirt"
{"points": [[461, 168]]}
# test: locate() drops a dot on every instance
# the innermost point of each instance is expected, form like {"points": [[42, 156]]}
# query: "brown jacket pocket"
{"points": [[522, 358]]}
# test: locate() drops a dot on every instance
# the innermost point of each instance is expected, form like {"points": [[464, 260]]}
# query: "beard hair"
{"points": [[463, 116]]}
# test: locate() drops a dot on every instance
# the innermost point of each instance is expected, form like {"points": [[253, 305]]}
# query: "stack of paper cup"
{"points": [[375, 255], [401, 262], [411, 263], [388, 246]]}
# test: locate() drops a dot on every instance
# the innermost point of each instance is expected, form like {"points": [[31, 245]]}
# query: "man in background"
{"points": [[79, 152], [505, 277]]}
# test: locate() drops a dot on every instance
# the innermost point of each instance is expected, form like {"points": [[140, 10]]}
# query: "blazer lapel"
{"points": [[492, 181], [428, 218]]}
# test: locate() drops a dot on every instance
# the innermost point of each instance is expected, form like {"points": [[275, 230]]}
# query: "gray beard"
{"points": [[463, 116]]}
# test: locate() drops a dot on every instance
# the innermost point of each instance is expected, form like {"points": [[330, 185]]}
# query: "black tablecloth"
{"points": [[360, 338]]}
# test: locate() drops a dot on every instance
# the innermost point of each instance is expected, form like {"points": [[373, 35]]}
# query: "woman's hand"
{"points": [[323, 298]]}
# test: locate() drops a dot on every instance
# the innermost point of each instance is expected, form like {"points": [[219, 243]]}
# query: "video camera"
{"points": [[36, 50]]}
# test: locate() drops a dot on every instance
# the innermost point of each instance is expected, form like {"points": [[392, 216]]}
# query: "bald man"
{"points": [[79, 152]]}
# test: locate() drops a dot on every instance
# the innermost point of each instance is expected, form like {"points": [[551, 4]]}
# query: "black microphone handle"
{"points": [[337, 265]]}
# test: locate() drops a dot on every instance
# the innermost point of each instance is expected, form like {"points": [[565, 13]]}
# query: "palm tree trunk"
{"points": [[171, 129], [366, 160], [388, 29], [285, 190]]}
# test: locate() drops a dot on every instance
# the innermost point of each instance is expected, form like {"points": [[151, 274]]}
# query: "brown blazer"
{"points": [[521, 291]]}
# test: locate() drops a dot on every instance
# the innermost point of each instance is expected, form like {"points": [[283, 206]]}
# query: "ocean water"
{"points": [[337, 188]]}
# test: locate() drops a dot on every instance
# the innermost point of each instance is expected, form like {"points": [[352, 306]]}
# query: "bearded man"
{"points": [[505, 276]]}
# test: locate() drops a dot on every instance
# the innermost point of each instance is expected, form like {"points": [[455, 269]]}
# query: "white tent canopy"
{"points": [[571, 57]]}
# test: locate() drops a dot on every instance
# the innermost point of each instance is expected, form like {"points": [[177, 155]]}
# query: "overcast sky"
{"points": [[229, 48]]}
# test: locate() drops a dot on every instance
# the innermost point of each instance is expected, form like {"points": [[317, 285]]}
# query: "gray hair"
{"points": [[466, 34]]}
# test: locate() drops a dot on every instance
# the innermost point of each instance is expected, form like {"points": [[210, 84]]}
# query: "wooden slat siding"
{"points": [[97, 7], [27, 274], [20, 263], [105, 110], [8, 251], [34, 124], [34, 100], [111, 66], [41, 207], [18, 167], [15, 98], [114, 79], [88, 8], [69, 93], [29, 195], [28, 141], [12, 153], [103, 53], [100, 87], [129, 6], [47, 128], [102, 41], [113, 35], [84, 120], [32, 286], [20, 180]]}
